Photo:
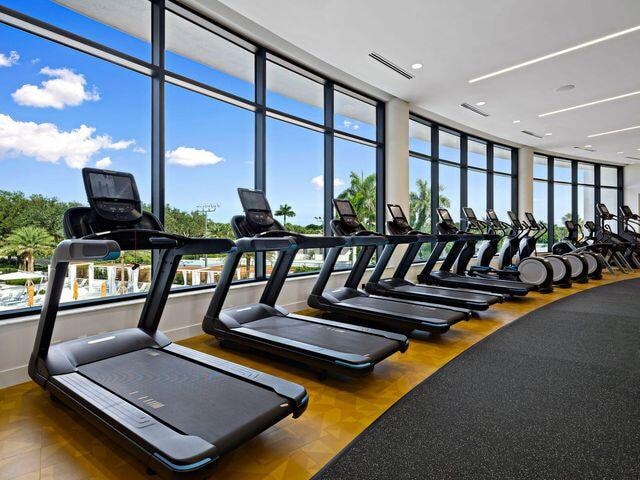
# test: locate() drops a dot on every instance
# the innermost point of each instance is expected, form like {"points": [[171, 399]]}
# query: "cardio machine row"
{"points": [[180, 410]]}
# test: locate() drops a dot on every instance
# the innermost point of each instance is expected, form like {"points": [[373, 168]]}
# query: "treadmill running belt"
{"points": [[324, 336], [413, 311], [462, 295], [193, 399]]}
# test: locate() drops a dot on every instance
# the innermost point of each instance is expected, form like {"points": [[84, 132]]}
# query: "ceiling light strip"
{"points": [[555, 54], [613, 131], [596, 102]]}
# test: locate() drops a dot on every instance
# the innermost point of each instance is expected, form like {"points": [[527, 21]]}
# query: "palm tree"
{"points": [[362, 195], [420, 204], [285, 211], [28, 242]]}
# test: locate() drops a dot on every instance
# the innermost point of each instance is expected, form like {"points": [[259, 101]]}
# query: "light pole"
{"points": [[206, 209]]}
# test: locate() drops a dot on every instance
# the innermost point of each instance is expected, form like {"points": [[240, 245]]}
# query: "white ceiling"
{"points": [[459, 40]]}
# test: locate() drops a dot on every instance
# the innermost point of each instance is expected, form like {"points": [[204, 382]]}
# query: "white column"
{"points": [[397, 159], [525, 181], [92, 276], [632, 187]]}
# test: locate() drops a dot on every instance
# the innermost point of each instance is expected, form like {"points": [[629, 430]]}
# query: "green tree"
{"points": [[362, 195], [28, 242], [420, 205], [285, 211]]}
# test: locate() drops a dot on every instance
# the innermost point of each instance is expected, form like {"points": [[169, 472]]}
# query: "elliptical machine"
{"points": [[629, 249], [578, 264], [575, 242], [536, 271]]}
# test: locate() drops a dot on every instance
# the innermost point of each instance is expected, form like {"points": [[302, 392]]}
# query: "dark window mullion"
{"points": [[328, 156], [435, 176], [260, 163], [490, 203], [380, 168], [598, 194], [464, 176], [574, 191], [550, 206], [514, 180]]}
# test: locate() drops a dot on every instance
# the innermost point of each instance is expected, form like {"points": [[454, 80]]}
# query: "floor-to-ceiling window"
{"points": [[574, 188], [193, 121]]}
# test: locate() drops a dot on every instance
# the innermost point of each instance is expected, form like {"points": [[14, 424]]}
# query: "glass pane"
{"points": [[295, 94], [71, 112], [562, 170], [501, 195], [420, 200], [124, 25], [197, 53], [204, 167], [541, 211], [586, 173], [561, 210], [419, 137], [450, 190], [586, 204], [299, 206], [477, 154], [609, 196], [477, 192], [355, 180], [354, 116], [449, 146], [502, 159], [540, 169], [608, 177]]}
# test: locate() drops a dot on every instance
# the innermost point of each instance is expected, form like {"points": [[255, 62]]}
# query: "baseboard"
{"points": [[14, 376]]}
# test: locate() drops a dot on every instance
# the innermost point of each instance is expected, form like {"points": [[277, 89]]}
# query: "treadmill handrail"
{"points": [[373, 239], [265, 244], [305, 241]]}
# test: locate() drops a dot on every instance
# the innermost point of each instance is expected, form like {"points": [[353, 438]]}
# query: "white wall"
{"points": [[632, 187], [525, 181]]}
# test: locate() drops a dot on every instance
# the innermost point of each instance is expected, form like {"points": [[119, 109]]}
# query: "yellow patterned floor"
{"points": [[40, 439]]}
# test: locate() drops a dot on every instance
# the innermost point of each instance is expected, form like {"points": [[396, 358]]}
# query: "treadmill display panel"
{"points": [[253, 200], [344, 208], [469, 213], [112, 186], [396, 212], [626, 211], [531, 219]]}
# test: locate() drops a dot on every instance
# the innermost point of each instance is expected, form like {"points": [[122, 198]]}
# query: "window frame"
{"points": [[159, 76]]}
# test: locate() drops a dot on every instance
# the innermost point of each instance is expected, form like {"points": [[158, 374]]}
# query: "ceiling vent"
{"points": [[633, 158], [379, 58], [474, 109], [586, 149], [529, 132]]}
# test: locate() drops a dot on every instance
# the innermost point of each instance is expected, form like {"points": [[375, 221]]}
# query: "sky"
{"points": [[61, 110]]}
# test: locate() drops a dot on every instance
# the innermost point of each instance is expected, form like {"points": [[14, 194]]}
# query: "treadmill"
{"points": [[390, 313], [448, 233], [321, 344], [399, 287], [177, 409]]}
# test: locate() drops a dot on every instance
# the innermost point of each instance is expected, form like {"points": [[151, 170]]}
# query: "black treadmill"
{"points": [[399, 287], [177, 409], [322, 344], [391, 313], [449, 233]]}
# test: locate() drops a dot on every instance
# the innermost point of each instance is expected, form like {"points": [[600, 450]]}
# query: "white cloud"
{"points": [[318, 182], [46, 143], [35, 60], [192, 157], [104, 162], [139, 150], [9, 60], [65, 88], [346, 123], [356, 126], [120, 144]]}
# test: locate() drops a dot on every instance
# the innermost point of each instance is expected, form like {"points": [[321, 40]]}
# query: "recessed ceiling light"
{"points": [[588, 104], [516, 121], [548, 134], [566, 88], [613, 131], [620, 153], [480, 104], [555, 54], [416, 66], [588, 146]]}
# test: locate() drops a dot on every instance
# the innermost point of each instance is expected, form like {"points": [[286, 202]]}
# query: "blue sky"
{"points": [[48, 92]]}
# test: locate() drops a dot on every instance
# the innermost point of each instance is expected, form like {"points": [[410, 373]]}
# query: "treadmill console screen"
{"points": [[346, 212], [398, 215], [626, 211], [445, 216], [469, 213], [256, 207], [113, 195], [531, 219], [569, 224], [604, 211]]}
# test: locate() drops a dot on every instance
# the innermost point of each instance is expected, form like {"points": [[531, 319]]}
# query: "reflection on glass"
{"points": [[450, 194], [608, 176], [502, 159], [197, 53], [609, 196], [586, 173], [354, 116], [204, 167], [501, 195], [586, 203], [292, 93], [561, 210], [477, 154], [449, 146], [477, 192], [299, 204], [540, 169], [420, 200], [541, 210], [561, 170], [419, 137]]}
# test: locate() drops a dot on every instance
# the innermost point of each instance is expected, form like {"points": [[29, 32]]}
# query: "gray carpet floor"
{"points": [[554, 395]]}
